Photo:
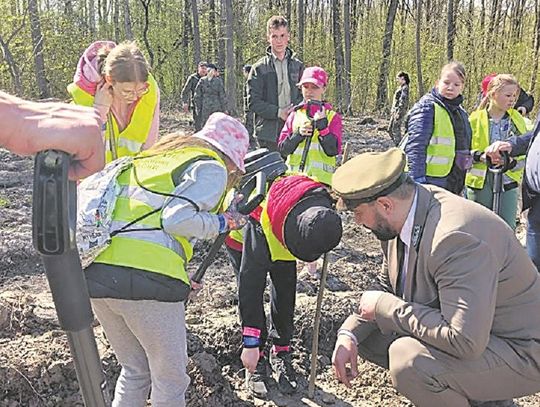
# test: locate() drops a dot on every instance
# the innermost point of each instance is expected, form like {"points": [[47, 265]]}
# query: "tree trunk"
{"points": [[534, 72], [91, 18], [116, 21], [196, 33], [301, 22], [336, 8], [146, 27], [127, 21], [221, 40], [230, 83], [288, 8], [419, 49], [382, 89], [13, 68], [212, 51], [347, 74], [37, 44], [450, 31]]}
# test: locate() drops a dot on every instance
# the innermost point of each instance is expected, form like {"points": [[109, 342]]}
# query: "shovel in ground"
{"points": [[498, 173], [54, 214]]}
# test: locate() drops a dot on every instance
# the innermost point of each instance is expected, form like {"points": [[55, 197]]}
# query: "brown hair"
{"points": [[276, 22], [495, 85], [457, 67], [123, 63], [177, 141]]}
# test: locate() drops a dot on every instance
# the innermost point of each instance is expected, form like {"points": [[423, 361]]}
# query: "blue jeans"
{"points": [[533, 245]]}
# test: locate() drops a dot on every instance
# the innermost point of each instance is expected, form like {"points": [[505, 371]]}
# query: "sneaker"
{"points": [[256, 381], [283, 372]]}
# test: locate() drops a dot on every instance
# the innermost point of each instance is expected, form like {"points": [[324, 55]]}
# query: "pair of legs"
{"points": [[149, 340], [251, 291], [429, 377]]}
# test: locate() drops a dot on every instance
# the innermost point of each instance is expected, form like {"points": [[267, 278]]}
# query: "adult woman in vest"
{"points": [[438, 140], [167, 198], [496, 120], [116, 81]]}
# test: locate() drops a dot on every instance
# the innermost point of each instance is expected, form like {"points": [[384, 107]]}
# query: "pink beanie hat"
{"points": [[228, 135]]}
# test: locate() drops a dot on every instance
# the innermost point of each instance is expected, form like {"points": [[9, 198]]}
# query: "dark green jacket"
{"points": [[189, 89], [262, 93]]}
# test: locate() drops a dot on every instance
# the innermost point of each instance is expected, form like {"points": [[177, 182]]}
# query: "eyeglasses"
{"points": [[136, 93]]}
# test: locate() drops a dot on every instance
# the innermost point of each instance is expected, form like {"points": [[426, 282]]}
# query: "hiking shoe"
{"points": [[283, 372], [256, 381]]}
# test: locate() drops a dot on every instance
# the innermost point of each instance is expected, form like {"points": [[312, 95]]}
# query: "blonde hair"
{"points": [[457, 67], [495, 85], [123, 63], [177, 141]]}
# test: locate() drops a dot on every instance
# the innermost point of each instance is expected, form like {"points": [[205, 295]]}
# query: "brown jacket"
{"points": [[469, 285]]}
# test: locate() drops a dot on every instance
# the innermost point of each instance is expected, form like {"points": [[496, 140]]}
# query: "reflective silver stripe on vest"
{"points": [[445, 141], [131, 145], [151, 236], [520, 165], [316, 164], [155, 201], [477, 172], [436, 159]]}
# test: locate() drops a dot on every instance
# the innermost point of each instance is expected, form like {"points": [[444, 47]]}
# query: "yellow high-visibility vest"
{"points": [[151, 248], [128, 142], [318, 165], [479, 120]]}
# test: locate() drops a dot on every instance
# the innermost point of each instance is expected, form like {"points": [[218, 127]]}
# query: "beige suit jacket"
{"points": [[469, 286]]}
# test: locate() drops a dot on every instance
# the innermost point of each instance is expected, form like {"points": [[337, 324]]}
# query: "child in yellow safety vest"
{"points": [[115, 80], [311, 136], [496, 120]]}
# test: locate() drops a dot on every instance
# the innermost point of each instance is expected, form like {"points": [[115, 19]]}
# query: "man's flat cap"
{"points": [[368, 176]]}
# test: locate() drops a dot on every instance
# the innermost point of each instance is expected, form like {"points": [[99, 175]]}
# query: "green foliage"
{"points": [[66, 36]]}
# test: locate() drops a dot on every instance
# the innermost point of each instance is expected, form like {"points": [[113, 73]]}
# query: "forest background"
{"points": [[361, 43]]}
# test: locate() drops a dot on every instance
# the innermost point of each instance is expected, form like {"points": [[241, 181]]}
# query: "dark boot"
{"points": [[283, 372]]}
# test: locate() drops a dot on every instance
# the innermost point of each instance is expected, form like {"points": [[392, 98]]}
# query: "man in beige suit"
{"points": [[455, 316]]}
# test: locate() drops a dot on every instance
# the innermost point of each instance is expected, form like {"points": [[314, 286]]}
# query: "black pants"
{"points": [[252, 267]]}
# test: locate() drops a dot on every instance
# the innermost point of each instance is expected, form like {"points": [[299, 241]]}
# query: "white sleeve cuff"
{"points": [[348, 333]]}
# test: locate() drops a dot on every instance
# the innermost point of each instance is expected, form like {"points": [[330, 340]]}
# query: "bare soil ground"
{"points": [[35, 364]]}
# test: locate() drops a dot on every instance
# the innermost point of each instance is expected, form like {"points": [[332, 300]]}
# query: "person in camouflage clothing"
{"points": [[209, 96], [188, 91], [400, 105]]}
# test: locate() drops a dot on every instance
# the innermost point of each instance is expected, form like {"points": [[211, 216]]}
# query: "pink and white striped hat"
{"points": [[228, 135]]}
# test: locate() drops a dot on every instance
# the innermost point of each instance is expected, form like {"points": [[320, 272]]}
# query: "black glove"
{"points": [[321, 124]]}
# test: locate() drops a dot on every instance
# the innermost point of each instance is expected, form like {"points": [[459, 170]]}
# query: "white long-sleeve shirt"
{"points": [[204, 182]]}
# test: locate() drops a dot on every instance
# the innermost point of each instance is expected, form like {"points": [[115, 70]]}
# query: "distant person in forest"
{"points": [[313, 125], [496, 120], [400, 104], [30, 127], [271, 85], [188, 91], [249, 116], [115, 79], [439, 135], [209, 96]]}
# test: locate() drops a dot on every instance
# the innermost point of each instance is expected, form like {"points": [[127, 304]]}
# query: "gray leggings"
{"points": [[149, 340]]}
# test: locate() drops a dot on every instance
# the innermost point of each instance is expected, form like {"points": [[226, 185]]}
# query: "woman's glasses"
{"points": [[131, 93]]}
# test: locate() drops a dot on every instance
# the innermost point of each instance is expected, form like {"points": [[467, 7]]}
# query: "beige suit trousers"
{"points": [[429, 377]]}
